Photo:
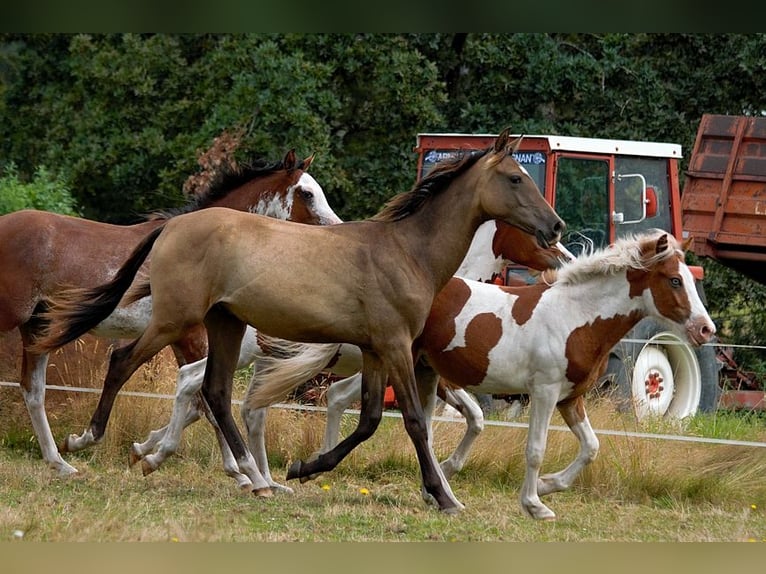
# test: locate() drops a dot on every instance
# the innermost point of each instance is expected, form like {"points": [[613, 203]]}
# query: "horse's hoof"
{"points": [[282, 489], [295, 470], [134, 457], [452, 510], [64, 446], [263, 492], [146, 468]]}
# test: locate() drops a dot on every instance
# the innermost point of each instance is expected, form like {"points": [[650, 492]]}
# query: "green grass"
{"points": [[637, 490]]}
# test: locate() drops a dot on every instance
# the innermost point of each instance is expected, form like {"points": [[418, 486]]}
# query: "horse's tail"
{"points": [[76, 311], [140, 288], [287, 366]]}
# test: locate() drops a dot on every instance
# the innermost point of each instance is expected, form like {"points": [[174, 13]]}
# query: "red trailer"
{"points": [[724, 208]]}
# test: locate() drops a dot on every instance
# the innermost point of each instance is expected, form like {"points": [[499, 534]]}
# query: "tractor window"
{"points": [[582, 201], [627, 194]]}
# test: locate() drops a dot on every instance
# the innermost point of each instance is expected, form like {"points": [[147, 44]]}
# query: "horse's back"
{"points": [[289, 280], [247, 262], [43, 252], [480, 334]]}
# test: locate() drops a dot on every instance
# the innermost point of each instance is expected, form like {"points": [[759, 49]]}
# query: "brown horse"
{"points": [[494, 245], [370, 283], [41, 253]]}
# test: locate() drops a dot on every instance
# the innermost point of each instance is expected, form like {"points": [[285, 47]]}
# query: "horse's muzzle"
{"points": [[700, 331], [550, 238]]}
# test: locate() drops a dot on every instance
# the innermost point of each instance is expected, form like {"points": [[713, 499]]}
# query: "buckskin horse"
{"points": [[548, 340], [42, 253], [494, 245], [370, 283]]}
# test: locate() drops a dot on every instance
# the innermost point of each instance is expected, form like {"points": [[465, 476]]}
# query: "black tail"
{"points": [[77, 311]]}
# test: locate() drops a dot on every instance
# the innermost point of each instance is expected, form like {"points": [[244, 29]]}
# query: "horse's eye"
{"points": [[515, 179], [675, 281], [305, 194]]}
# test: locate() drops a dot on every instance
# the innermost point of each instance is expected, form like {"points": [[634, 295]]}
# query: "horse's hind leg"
{"points": [[255, 424], [373, 390], [339, 395], [122, 364], [474, 420], [33, 369], [574, 415], [225, 333]]}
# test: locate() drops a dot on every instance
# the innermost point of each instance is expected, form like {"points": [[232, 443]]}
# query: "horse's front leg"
{"points": [[541, 406], [373, 391], [33, 369], [402, 378], [186, 411], [573, 412], [122, 364]]}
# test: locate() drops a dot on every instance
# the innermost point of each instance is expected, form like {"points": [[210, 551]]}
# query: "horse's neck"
{"points": [[441, 232], [598, 299], [480, 263], [258, 198]]}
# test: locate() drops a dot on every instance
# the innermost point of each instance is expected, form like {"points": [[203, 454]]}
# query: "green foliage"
{"points": [[737, 305], [44, 192]]}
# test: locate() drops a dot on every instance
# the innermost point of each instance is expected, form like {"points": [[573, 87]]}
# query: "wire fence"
{"points": [[395, 414]]}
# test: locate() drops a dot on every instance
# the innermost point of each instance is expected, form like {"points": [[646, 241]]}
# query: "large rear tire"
{"points": [[660, 375]]}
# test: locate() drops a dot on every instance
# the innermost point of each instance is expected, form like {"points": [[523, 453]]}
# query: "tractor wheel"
{"points": [[661, 375]]}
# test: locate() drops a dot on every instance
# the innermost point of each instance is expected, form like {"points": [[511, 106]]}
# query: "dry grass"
{"points": [[637, 490]]}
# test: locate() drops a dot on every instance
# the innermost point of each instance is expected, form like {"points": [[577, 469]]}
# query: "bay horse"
{"points": [[42, 253], [370, 283], [494, 245], [549, 341]]}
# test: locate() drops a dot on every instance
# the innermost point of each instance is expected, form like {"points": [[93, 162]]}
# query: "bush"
{"points": [[46, 192]]}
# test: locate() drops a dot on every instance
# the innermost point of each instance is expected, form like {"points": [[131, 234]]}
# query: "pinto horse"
{"points": [[41, 253], [370, 283], [494, 245], [549, 340]]}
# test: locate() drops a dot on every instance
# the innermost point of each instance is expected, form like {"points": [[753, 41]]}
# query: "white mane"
{"points": [[625, 253]]}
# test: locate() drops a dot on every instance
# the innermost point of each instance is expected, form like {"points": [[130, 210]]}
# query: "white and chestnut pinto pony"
{"points": [[494, 245], [370, 283], [549, 341], [42, 254]]}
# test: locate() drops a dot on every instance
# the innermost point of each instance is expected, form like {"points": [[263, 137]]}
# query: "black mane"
{"points": [[226, 181], [438, 179]]}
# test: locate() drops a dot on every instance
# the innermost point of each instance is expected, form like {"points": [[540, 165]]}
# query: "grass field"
{"points": [[637, 490]]}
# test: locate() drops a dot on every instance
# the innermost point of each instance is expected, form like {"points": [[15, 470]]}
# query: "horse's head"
{"points": [[295, 195], [668, 282], [515, 245], [507, 192]]}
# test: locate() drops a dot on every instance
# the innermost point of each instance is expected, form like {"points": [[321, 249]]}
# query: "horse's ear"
{"points": [[686, 245], [307, 162], [662, 244], [289, 162], [514, 145], [501, 143]]}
